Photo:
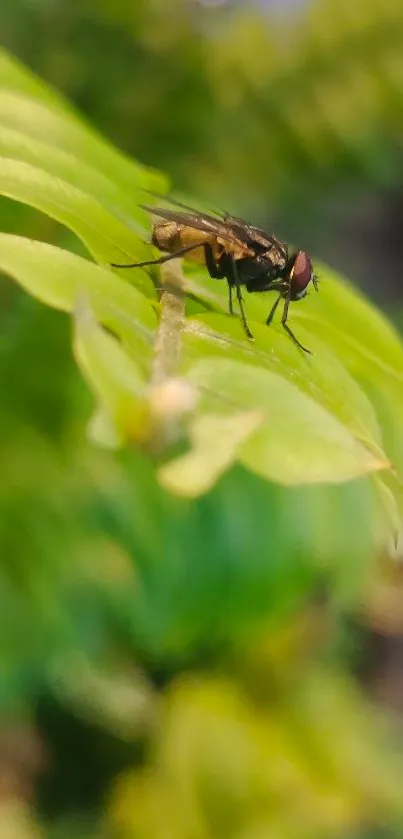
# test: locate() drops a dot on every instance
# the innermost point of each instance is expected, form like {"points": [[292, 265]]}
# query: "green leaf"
{"points": [[356, 370], [107, 238], [322, 376], [360, 332], [338, 314], [386, 395], [113, 376], [214, 444], [299, 441], [62, 164], [328, 418], [57, 278], [369, 347], [59, 127]]}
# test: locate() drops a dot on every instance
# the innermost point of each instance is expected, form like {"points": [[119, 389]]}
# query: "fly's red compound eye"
{"points": [[301, 274]]}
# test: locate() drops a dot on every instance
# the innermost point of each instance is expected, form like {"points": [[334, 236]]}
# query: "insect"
{"points": [[234, 250]]}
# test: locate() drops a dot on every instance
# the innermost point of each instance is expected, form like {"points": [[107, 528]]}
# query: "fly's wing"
{"points": [[199, 221], [254, 237], [230, 228], [243, 230], [219, 216]]}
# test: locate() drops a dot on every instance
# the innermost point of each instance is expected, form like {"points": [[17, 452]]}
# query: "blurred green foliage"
{"points": [[267, 103], [200, 645]]}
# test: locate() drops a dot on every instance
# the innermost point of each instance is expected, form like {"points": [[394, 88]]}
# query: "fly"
{"points": [[234, 250]]}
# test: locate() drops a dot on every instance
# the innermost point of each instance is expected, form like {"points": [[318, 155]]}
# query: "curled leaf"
{"points": [[215, 441]]}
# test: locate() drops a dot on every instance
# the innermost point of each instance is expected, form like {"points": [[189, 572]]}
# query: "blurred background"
{"points": [[181, 670]]}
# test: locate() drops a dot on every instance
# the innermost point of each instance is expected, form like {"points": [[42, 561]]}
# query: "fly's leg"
{"points": [[273, 309], [161, 259], [236, 283], [242, 311], [217, 271], [230, 305], [287, 328]]}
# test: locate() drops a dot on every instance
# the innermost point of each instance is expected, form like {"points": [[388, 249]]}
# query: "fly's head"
{"points": [[300, 275]]}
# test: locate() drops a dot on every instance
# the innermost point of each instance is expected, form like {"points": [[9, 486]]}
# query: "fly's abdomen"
{"points": [[166, 236], [169, 236]]}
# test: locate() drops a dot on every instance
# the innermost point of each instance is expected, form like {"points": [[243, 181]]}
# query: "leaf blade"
{"points": [[56, 277], [300, 442]]}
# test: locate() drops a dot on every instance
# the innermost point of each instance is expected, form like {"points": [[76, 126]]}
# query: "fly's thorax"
{"points": [[258, 271], [255, 272], [276, 256], [237, 249]]}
